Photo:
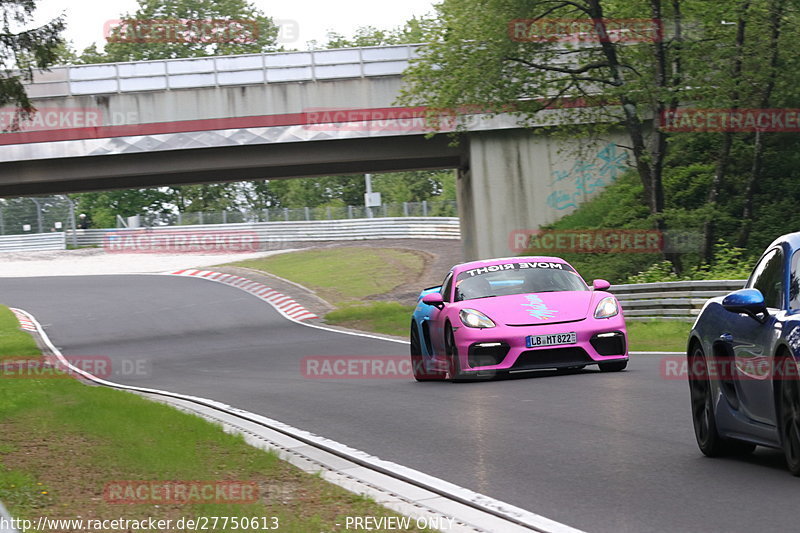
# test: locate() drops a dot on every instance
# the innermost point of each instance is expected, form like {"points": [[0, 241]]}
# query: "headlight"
{"points": [[475, 319], [607, 308]]}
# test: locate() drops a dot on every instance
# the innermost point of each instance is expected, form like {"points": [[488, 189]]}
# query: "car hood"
{"points": [[533, 309]]}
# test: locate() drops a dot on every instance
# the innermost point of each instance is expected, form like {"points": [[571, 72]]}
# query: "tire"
{"points": [[417, 361], [703, 418], [618, 366], [454, 364], [789, 418]]}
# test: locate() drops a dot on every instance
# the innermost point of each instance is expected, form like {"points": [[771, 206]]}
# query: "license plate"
{"points": [[535, 341]]}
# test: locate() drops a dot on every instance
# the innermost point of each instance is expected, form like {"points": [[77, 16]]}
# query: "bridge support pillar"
{"points": [[519, 180]]}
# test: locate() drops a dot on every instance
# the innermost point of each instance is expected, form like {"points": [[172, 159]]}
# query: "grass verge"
{"points": [[344, 275], [64, 442], [390, 318], [658, 335], [14, 343]]}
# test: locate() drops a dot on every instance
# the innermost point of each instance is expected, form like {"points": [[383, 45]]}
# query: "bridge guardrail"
{"points": [[33, 242], [186, 73], [272, 233], [671, 300]]}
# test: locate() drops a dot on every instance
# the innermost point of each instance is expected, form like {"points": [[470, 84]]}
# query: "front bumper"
{"points": [[504, 347]]}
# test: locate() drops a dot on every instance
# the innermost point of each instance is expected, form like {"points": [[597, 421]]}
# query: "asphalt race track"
{"points": [[600, 452]]}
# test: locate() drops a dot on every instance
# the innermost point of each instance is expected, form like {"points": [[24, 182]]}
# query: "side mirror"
{"points": [[601, 285], [434, 299], [748, 301]]}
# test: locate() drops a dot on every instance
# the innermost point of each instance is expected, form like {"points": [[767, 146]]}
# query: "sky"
{"points": [[302, 20]]}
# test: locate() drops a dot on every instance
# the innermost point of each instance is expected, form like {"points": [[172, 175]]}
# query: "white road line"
{"points": [[494, 508]]}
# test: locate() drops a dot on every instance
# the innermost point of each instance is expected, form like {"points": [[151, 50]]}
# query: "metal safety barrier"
{"points": [[272, 233], [220, 71], [671, 300], [33, 242]]}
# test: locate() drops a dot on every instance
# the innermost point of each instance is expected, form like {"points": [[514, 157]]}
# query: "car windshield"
{"points": [[517, 278]]}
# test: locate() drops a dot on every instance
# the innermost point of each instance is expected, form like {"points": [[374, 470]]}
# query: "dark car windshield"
{"points": [[517, 278]]}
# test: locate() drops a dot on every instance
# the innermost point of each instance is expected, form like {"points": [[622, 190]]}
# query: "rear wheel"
{"points": [[789, 418], [705, 425], [617, 366], [417, 361]]}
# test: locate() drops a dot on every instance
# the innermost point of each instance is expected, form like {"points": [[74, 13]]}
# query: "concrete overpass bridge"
{"points": [[284, 115]]}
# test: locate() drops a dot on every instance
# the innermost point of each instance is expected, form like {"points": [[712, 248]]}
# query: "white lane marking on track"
{"points": [[532, 520]]}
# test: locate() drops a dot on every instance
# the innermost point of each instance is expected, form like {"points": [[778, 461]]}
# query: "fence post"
{"points": [[224, 216], [330, 216], [38, 215], [405, 209], [2, 223], [385, 210], [424, 208], [200, 217], [180, 218], [349, 211], [266, 215], [286, 214], [72, 221], [308, 213]]}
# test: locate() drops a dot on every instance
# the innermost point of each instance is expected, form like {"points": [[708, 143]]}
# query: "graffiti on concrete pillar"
{"points": [[587, 176]]}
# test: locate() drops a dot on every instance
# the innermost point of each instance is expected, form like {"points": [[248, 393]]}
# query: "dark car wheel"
{"points": [[618, 366], [705, 425], [454, 364], [417, 362], [789, 414]]}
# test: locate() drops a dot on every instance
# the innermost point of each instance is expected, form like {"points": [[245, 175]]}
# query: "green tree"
{"points": [[414, 31], [123, 46], [480, 59], [199, 23], [103, 207], [22, 52]]}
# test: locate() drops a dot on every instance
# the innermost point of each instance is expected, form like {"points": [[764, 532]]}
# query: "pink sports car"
{"points": [[515, 314]]}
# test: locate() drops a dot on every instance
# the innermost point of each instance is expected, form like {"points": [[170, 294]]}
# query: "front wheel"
{"points": [[790, 419], [703, 418], [417, 361], [454, 364]]}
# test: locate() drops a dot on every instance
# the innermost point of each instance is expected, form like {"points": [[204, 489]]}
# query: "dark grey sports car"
{"points": [[743, 354]]}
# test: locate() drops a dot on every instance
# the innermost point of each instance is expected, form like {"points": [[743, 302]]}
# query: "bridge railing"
{"points": [[672, 300], [249, 69]]}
